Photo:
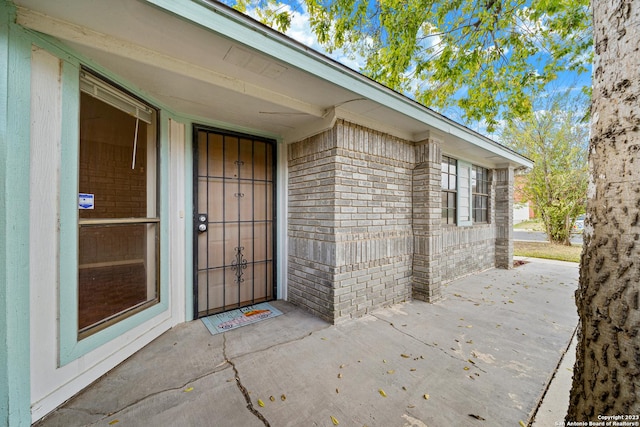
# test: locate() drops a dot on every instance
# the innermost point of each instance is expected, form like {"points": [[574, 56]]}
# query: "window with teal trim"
{"points": [[118, 220]]}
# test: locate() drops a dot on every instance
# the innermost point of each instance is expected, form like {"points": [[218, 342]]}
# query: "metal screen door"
{"points": [[234, 221]]}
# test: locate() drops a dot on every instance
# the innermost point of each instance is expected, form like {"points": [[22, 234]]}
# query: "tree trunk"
{"points": [[607, 372]]}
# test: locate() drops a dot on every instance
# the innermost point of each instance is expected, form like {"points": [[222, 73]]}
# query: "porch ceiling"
{"points": [[201, 73]]}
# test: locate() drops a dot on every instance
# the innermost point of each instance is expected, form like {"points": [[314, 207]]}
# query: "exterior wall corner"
{"points": [[504, 184], [427, 230]]}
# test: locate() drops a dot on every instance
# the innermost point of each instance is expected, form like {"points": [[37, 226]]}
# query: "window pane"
{"points": [[118, 248], [117, 270], [109, 169]]}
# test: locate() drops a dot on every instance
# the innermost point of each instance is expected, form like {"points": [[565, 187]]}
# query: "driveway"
{"points": [[481, 356]]}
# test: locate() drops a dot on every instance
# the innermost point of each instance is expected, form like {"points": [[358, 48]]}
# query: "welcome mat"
{"points": [[229, 320]]}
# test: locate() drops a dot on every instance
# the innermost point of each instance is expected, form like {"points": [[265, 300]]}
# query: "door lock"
{"points": [[202, 223]]}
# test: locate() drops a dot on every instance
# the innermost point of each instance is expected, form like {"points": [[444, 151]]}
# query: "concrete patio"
{"points": [[482, 356]]}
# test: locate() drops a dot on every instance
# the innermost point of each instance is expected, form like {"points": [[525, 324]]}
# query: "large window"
{"points": [[480, 190], [449, 190], [118, 206]]}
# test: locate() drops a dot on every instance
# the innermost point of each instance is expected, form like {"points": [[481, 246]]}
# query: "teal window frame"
{"points": [[72, 346]]}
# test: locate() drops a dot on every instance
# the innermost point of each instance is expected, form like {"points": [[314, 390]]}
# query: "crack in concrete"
{"points": [[224, 365], [240, 355], [241, 387], [427, 344], [181, 387]]}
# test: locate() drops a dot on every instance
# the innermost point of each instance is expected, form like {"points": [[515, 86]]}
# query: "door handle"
{"points": [[201, 222]]}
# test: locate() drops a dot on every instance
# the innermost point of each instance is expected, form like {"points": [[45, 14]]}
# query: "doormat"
{"points": [[223, 322]]}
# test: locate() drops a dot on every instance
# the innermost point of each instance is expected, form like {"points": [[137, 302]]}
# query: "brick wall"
{"points": [[504, 188], [364, 224], [427, 229], [350, 236], [467, 250]]}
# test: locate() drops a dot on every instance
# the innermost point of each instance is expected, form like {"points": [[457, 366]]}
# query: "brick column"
{"points": [[504, 188], [427, 232]]}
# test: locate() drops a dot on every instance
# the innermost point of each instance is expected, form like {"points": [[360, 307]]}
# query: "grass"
{"points": [[547, 251]]}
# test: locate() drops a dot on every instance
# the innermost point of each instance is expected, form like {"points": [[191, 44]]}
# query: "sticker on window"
{"points": [[85, 201]]}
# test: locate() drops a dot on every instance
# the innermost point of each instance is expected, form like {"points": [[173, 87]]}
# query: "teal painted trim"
{"points": [[15, 108], [70, 347], [256, 36], [189, 121]]}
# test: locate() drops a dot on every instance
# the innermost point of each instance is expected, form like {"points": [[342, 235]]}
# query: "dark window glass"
{"points": [[480, 190], [449, 188], [118, 221]]}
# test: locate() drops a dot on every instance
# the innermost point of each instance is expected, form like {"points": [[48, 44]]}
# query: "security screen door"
{"points": [[234, 221]]}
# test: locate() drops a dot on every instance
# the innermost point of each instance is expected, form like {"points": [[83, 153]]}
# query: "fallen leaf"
{"points": [[334, 420], [271, 398], [382, 393], [260, 403], [404, 388], [283, 397], [391, 371], [323, 339], [337, 391], [411, 406], [426, 397], [340, 375], [405, 356], [466, 368], [341, 366], [471, 361], [187, 390], [522, 423], [412, 369], [469, 342], [114, 422], [477, 417], [384, 360]]}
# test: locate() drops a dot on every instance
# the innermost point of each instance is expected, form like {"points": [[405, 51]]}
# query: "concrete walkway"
{"points": [[482, 356]]}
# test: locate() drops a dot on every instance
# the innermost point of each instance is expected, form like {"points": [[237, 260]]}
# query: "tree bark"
{"points": [[607, 372]]}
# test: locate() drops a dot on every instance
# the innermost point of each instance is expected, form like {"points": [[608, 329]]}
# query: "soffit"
{"points": [[200, 73]]}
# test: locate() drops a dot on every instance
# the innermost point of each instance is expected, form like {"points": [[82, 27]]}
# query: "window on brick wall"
{"points": [[118, 217], [449, 190], [480, 190]]}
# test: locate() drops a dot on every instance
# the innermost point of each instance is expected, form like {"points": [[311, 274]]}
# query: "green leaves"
{"points": [[556, 139], [486, 57], [269, 12]]}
